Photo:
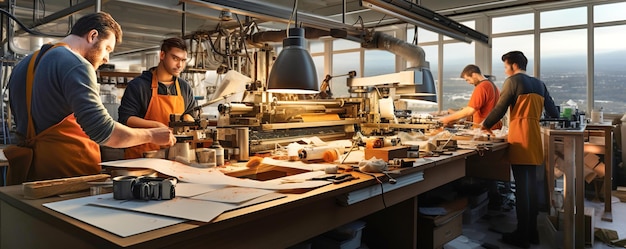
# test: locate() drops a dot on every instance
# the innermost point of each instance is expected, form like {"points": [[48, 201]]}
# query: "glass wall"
{"points": [[342, 64], [456, 92], [610, 69], [564, 64], [503, 45], [561, 38]]}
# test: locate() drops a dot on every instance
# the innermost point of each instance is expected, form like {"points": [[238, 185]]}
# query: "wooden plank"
{"points": [[41, 189]]}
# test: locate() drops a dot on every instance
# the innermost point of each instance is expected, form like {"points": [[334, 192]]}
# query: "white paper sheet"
{"points": [[232, 195], [184, 189], [207, 176], [178, 207], [118, 222]]}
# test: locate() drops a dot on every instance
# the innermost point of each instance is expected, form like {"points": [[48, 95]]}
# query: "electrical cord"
{"points": [[28, 30], [382, 191]]}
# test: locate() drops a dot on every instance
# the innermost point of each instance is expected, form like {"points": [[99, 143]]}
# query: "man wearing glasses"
{"points": [[158, 92]]}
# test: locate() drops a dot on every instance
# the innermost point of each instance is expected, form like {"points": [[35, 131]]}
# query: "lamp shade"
{"points": [[294, 70], [425, 91]]}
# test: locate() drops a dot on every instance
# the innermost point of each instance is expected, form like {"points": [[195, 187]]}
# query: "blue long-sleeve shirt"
{"points": [[64, 83]]}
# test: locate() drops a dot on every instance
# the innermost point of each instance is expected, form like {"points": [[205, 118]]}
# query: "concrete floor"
{"points": [[487, 230]]}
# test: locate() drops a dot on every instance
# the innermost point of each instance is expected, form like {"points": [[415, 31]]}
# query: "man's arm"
{"points": [[124, 136], [465, 112], [137, 122]]}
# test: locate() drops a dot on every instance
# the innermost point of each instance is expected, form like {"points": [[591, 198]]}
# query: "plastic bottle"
{"points": [[219, 151]]}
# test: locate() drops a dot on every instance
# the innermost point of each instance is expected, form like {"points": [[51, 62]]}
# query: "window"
{"points": [[379, 62], [609, 74], [341, 44], [564, 66], [564, 17], [316, 46], [423, 35], [342, 64], [456, 92], [319, 67], [503, 45], [609, 12], [512, 23]]}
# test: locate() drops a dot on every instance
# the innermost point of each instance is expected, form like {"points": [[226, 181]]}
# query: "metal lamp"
{"points": [[424, 91], [294, 70]]}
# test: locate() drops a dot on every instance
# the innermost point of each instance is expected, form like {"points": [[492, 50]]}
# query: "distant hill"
{"points": [[613, 61]]}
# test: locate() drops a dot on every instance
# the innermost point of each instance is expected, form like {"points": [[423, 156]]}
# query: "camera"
{"points": [[144, 188]]}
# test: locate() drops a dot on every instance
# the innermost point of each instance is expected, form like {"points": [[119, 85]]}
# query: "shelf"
{"points": [[120, 79]]}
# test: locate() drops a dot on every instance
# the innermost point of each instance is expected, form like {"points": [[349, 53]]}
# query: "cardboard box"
{"points": [[347, 236], [471, 215], [435, 231], [387, 153], [556, 237]]}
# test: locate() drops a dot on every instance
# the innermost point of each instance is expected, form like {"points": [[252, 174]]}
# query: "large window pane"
{"points": [[564, 66], [609, 12], [422, 35], [564, 17], [342, 64], [432, 57], [341, 44], [379, 62], [610, 73], [512, 23], [319, 67], [316, 46], [456, 91], [503, 45]]}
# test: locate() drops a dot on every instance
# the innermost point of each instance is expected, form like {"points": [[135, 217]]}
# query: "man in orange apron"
{"points": [[158, 92], [526, 97], [57, 109], [484, 98]]}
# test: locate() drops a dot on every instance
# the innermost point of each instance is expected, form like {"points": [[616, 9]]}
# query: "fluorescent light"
{"points": [[427, 19]]}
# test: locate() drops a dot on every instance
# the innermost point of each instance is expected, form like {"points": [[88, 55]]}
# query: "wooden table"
{"points": [[607, 128], [573, 185], [275, 224]]}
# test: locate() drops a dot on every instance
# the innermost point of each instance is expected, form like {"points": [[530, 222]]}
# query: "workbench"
{"points": [[278, 223], [607, 150], [573, 180]]}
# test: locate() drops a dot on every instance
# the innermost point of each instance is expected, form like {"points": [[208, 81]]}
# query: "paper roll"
{"points": [[597, 117], [385, 105]]}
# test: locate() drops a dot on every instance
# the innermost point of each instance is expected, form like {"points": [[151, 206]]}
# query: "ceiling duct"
{"points": [[423, 88], [411, 53], [425, 18]]}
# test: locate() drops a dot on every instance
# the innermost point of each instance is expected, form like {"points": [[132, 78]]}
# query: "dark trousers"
{"points": [[526, 199]]}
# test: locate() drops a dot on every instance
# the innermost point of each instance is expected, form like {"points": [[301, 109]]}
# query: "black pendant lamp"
{"points": [[294, 70]]}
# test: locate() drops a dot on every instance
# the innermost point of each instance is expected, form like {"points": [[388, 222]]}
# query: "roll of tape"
{"points": [[122, 187]]}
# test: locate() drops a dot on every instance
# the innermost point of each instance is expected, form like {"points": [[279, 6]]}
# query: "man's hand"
{"points": [[162, 136], [486, 130]]}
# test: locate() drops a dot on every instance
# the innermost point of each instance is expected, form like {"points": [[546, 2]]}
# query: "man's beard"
{"points": [[93, 55]]}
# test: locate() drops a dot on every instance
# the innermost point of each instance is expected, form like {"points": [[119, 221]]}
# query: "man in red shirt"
{"points": [[484, 98]]}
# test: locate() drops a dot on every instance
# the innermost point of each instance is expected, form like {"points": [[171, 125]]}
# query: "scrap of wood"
{"points": [[41, 189]]}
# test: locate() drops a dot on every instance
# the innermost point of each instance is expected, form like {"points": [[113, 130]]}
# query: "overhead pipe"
{"points": [[408, 51]]}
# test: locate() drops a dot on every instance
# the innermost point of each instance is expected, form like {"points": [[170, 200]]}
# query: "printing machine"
{"points": [[272, 118]]}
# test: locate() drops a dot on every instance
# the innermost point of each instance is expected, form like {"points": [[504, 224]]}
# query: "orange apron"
{"points": [[62, 150], [524, 137], [159, 109]]}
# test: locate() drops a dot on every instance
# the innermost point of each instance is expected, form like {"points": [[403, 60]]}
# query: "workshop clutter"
{"points": [[347, 236]]}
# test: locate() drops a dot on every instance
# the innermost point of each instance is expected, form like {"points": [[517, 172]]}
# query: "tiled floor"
{"points": [[485, 230]]}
